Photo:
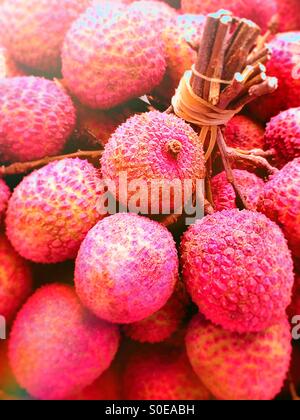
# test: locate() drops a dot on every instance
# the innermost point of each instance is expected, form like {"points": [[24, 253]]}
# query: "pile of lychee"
{"points": [[101, 306]]}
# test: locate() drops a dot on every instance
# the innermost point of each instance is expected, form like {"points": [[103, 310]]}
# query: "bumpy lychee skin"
{"points": [[57, 348], [161, 325], [153, 146], [284, 64], [244, 133], [235, 366], [15, 280], [260, 12], [224, 195], [238, 270], [157, 13], [52, 209], [283, 135], [162, 374], [281, 203], [4, 197], [113, 61], [34, 31], [36, 118], [289, 15], [126, 269], [192, 27]]}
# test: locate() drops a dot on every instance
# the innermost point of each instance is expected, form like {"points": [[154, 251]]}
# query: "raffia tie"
{"points": [[196, 110]]}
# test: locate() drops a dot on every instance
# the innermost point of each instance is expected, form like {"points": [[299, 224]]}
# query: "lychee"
{"points": [[289, 15], [162, 324], [284, 64], [4, 197], [159, 373], [260, 12], [244, 133], [235, 366], [112, 61], [157, 13], [15, 280], [192, 28], [281, 202], [283, 135], [57, 348], [153, 147], [238, 270], [36, 118], [52, 209], [127, 268], [224, 195], [34, 31]]}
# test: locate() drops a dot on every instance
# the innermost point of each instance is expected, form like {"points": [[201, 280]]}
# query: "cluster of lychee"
{"points": [[150, 312]]}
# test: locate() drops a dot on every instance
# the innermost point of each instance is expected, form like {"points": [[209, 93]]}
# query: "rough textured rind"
{"points": [[15, 280], [224, 195], [161, 374], [284, 64], [281, 203], [256, 10], [114, 49], [240, 366], [161, 325], [52, 209], [157, 13], [36, 118], [238, 270], [126, 269], [34, 30], [192, 27], [244, 133], [283, 135], [140, 148], [56, 347], [4, 197]]}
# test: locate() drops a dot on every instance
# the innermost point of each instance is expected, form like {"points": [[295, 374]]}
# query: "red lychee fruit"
{"points": [[224, 195], [235, 366], [238, 270], [284, 64], [162, 324], [127, 268], [289, 15], [281, 203], [34, 31], [244, 133], [15, 280], [283, 135], [36, 118], [4, 197], [153, 147], [57, 348], [156, 13], [8, 67], [52, 209], [260, 12], [159, 373], [113, 61]]}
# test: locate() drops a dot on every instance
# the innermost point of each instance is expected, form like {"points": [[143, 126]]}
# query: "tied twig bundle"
{"points": [[229, 73]]}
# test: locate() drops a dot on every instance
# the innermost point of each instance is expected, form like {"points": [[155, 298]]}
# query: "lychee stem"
{"points": [[25, 167], [174, 148], [253, 159]]}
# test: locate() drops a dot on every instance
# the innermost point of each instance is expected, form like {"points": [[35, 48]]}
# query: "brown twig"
{"points": [[257, 161], [25, 167]]}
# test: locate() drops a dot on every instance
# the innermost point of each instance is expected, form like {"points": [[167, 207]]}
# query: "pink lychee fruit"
{"points": [[284, 64], [34, 31], [113, 61], [4, 198], [36, 118], [224, 195], [15, 280], [235, 366], [57, 348], [162, 324], [127, 268], [260, 12], [157, 13], [153, 147], [160, 373], [238, 270], [192, 27], [52, 209], [283, 136], [281, 202]]}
